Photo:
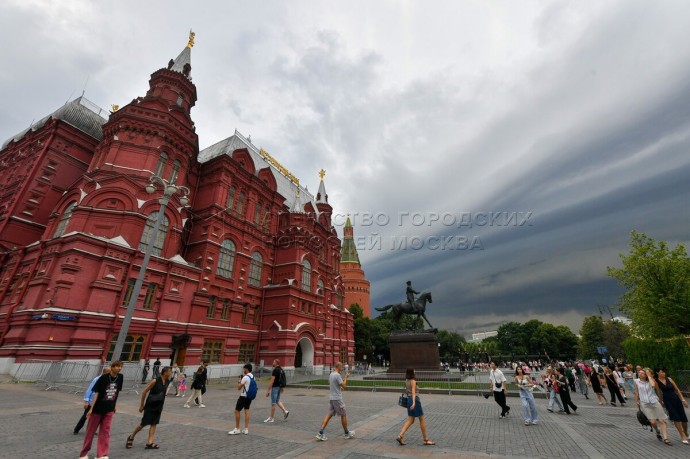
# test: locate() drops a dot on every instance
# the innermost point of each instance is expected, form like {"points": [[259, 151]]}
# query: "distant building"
{"points": [[477, 337], [249, 271], [622, 319], [357, 287]]}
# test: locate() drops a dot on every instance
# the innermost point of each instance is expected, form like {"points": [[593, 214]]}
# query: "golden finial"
{"points": [[322, 173], [115, 107], [190, 43]]}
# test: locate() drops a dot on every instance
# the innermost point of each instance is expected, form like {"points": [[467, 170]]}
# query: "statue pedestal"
{"points": [[413, 349]]}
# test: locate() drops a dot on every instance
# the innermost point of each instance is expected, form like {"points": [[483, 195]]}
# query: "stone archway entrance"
{"points": [[304, 353]]}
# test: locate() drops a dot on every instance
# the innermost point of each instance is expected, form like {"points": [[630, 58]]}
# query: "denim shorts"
{"points": [[275, 395]]}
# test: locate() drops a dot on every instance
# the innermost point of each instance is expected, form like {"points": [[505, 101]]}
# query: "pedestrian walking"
{"points": [[100, 415], [198, 383], [156, 368], [553, 395], [618, 373], [336, 405], [414, 409], [182, 389], [629, 380], [583, 371], [648, 402], [145, 371], [497, 386], [612, 384], [88, 400], [275, 388], [529, 408], [152, 400], [595, 381], [244, 401], [564, 391], [674, 401], [174, 380]]}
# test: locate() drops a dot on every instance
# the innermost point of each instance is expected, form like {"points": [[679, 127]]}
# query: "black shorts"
{"points": [[242, 403]]}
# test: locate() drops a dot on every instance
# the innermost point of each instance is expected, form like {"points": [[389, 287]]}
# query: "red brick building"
{"points": [[249, 271]]}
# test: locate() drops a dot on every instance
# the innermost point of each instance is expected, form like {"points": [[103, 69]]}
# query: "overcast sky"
{"points": [[573, 116]]}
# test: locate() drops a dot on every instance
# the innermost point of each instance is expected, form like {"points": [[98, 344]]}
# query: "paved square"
{"points": [[38, 424]]}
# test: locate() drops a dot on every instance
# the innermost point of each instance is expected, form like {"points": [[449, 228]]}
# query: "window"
{"points": [[180, 99], [225, 312], [257, 316], [255, 270], [240, 204], [257, 214], [343, 355], [160, 167], [245, 313], [319, 287], [231, 199], [226, 259], [267, 221], [211, 311], [246, 353], [306, 276], [64, 220], [131, 351], [160, 240], [212, 350], [339, 299], [175, 172], [150, 296], [128, 292]]}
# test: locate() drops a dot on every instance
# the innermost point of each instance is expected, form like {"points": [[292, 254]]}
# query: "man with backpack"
{"points": [[275, 388], [247, 386]]}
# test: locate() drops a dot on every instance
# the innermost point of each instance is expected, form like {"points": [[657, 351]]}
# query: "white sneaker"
{"points": [[245, 431], [269, 420], [102, 457], [186, 405], [350, 434], [321, 436], [202, 406], [234, 431], [84, 457]]}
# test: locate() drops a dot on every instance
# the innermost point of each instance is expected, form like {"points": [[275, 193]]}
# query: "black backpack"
{"points": [[642, 419], [282, 379]]}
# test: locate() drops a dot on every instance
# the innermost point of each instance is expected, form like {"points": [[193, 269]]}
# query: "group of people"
{"points": [[656, 395]]}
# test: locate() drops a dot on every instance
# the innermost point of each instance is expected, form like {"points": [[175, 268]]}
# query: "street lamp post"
{"points": [[169, 190]]}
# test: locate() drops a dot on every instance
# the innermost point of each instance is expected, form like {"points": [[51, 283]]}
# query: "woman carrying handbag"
{"points": [[414, 409]]}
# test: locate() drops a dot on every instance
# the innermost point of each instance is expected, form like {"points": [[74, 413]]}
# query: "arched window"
{"points": [[319, 287], [175, 172], [160, 240], [231, 199], [162, 161], [240, 204], [257, 214], [306, 276], [255, 270], [64, 220], [226, 259], [267, 219]]}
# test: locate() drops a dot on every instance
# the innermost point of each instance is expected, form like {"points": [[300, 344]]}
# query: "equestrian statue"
{"points": [[413, 307]]}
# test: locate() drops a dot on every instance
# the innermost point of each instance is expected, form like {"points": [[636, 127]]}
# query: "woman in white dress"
{"points": [[648, 401]]}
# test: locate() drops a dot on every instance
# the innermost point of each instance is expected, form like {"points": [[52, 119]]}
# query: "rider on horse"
{"points": [[410, 292]]}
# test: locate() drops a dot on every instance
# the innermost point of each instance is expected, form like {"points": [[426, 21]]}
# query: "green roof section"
{"points": [[348, 252]]}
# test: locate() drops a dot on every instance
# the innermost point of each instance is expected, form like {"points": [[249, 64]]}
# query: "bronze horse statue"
{"points": [[405, 308]]}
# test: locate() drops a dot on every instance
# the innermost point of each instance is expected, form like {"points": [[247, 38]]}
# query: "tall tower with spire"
{"points": [[357, 287]]}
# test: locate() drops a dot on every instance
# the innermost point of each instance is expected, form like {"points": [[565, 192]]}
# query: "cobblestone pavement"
{"points": [[38, 424]]}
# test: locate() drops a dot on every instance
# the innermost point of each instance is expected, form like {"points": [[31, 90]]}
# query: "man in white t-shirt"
{"points": [[497, 383], [243, 402]]}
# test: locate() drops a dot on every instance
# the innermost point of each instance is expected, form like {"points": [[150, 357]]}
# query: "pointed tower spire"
{"points": [[183, 62], [348, 253], [321, 196]]}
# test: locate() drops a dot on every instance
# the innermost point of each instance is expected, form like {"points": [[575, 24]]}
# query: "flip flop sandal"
{"points": [[130, 442], [429, 443], [666, 441], [401, 441], [152, 446]]}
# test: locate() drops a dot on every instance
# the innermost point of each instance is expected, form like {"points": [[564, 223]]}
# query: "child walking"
{"points": [[183, 385]]}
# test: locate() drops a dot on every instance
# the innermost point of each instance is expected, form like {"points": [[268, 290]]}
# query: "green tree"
{"points": [[657, 282], [545, 340], [615, 333], [528, 329], [567, 342], [591, 336], [511, 339], [451, 344]]}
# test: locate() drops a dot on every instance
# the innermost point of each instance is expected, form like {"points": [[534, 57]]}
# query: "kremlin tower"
{"points": [[357, 287]]}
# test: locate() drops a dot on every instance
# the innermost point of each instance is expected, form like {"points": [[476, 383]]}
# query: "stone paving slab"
{"points": [[38, 424]]}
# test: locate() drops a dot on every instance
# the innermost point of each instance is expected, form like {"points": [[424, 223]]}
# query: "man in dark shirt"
{"points": [[157, 368], [275, 388], [106, 391]]}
